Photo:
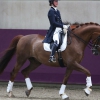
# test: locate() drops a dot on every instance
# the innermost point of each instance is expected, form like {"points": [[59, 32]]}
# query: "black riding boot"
{"points": [[52, 57]]}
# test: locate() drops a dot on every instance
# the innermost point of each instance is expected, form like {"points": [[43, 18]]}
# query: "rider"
{"points": [[56, 26]]}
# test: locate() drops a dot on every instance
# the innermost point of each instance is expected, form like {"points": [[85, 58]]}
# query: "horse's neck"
{"points": [[83, 34], [85, 31]]}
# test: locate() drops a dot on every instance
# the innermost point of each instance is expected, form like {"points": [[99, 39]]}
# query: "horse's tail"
{"points": [[8, 53]]}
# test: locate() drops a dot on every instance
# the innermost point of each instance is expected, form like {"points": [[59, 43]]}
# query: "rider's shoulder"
{"points": [[51, 9]]}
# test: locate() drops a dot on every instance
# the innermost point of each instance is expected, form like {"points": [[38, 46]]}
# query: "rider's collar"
{"points": [[54, 7]]}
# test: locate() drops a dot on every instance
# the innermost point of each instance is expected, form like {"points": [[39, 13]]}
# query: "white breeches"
{"points": [[56, 34]]}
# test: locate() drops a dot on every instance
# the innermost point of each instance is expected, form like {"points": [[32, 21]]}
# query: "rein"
{"points": [[85, 42], [97, 41], [96, 46], [90, 44]]}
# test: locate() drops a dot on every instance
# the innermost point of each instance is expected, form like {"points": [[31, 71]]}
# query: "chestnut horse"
{"points": [[30, 47]]}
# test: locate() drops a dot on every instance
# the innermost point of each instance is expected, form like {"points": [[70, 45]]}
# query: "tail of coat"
{"points": [[8, 53]]}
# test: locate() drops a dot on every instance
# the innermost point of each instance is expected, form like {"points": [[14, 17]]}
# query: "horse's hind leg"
{"points": [[32, 66], [17, 67], [80, 68]]}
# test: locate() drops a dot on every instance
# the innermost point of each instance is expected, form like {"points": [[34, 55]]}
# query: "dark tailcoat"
{"points": [[55, 21]]}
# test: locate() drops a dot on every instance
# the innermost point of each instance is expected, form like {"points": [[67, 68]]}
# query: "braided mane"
{"points": [[81, 24]]}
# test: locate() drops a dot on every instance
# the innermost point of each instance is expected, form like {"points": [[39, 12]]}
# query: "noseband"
{"points": [[96, 46]]}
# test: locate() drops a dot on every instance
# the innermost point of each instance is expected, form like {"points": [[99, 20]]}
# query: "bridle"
{"points": [[96, 46]]}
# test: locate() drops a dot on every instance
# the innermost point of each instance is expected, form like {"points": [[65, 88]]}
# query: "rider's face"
{"points": [[55, 3]]}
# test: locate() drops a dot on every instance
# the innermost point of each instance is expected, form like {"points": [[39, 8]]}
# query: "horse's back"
{"points": [[31, 37]]}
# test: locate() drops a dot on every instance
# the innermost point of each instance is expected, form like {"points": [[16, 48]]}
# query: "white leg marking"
{"points": [[10, 86], [88, 82], [62, 92], [62, 89], [88, 90], [28, 83]]}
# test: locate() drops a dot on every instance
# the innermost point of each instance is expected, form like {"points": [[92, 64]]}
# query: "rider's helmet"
{"points": [[51, 2]]}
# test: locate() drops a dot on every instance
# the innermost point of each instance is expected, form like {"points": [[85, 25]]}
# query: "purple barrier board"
{"points": [[44, 73]]}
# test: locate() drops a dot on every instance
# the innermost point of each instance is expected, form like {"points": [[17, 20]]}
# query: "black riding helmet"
{"points": [[51, 2]]}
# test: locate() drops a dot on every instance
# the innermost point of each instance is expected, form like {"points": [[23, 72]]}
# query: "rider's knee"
{"points": [[56, 43]]}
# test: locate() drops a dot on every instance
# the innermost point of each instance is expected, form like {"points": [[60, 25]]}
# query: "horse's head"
{"points": [[96, 44], [86, 32]]}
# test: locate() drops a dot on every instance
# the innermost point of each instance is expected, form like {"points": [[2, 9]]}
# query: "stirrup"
{"points": [[52, 59]]}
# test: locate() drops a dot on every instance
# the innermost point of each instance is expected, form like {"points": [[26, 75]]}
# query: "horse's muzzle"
{"points": [[95, 51]]}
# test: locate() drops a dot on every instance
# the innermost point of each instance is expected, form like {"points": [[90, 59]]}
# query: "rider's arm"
{"points": [[53, 22]]}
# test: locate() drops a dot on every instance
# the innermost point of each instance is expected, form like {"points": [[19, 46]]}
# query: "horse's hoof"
{"points": [[87, 91], [66, 98], [27, 93], [10, 95]]}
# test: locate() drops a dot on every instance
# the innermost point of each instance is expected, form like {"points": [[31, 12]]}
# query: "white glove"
{"points": [[65, 31], [65, 26]]}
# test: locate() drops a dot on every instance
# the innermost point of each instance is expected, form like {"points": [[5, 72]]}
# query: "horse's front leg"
{"points": [[63, 86], [88, 89], [80, 68]]}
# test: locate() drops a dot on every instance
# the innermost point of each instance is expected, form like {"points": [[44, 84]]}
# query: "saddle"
{"points": [[61, 47], [60, 59], [61, 35]]}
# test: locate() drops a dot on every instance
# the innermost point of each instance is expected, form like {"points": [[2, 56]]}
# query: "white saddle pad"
{"points": [[46, 46]]}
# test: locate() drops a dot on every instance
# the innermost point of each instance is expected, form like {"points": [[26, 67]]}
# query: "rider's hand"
{"points": [[65, 31], [65, 26]]}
